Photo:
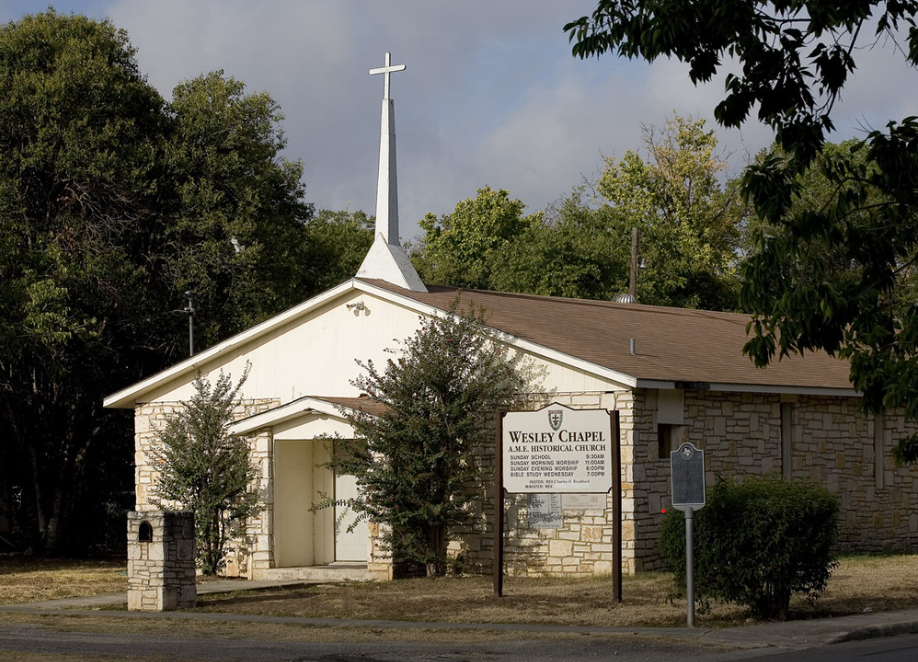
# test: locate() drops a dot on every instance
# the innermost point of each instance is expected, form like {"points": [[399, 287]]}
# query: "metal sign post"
{"points": [[687, 466], [498, 563], [690, 566]]}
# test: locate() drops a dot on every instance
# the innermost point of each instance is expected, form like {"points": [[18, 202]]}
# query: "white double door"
{"points": [[351, 536], [303, 535]]}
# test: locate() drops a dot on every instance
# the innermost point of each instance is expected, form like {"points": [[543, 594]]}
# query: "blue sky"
{"points": [[491, 94]]}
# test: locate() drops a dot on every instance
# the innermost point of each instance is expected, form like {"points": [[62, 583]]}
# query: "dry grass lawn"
{"points": [[878, 582], [29, 579]]}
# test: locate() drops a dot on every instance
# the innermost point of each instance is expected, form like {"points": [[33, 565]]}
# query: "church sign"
{"points": [[552, 452], [557, 450]]}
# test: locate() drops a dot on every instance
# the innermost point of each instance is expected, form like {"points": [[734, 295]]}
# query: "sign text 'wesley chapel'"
{"points": [[557, 449]]}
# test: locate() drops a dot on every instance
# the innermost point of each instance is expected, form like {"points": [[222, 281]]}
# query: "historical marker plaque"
{"points": [[583, 502], [687, 465]]}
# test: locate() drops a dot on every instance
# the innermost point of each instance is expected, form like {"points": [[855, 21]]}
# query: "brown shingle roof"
{"points": [[672, 344], [362, 403]]}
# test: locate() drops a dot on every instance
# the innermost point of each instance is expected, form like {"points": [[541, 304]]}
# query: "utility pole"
{"points": [[632, 284], [190, 311]]}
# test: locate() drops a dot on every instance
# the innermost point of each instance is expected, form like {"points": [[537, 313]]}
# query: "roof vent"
{"points": [[624, 298]]}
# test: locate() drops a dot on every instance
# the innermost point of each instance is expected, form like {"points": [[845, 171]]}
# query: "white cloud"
{"points": [[491, 96]]}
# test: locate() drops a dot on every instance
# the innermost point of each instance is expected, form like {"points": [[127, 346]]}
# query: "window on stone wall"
{"points": [[668, 438]]}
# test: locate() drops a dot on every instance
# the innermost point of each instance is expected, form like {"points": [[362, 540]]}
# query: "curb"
{"points": [[877, 632]]}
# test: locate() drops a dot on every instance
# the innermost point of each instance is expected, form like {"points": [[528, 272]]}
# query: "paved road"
{"points": [[85, 637], [52, 643], [40, 639], [903, 648]]}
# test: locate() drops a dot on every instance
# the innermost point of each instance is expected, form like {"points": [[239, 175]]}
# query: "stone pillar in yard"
{"points": [[161, 561]]}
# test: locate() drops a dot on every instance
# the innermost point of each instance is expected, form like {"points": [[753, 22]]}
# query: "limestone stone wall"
{"points": [[254, 550], [149, 419], [831, 443], [161, 561], [379, 561], [253, 553], [834, 446]]}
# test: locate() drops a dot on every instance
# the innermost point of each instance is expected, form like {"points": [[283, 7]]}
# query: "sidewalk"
{"points": [[789, 635]]}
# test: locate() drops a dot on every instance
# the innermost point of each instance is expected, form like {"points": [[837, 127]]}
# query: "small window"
{"points": [[145, 534], [665, 433]]}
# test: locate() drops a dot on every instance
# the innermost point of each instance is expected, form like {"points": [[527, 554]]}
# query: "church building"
{"points": [[673, 375]]}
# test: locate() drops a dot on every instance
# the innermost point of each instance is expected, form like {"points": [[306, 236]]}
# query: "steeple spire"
{"points": [[387, 259], [387, 184]]}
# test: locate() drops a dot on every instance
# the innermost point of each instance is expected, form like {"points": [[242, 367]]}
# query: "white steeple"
{"points": [[386, 259]]}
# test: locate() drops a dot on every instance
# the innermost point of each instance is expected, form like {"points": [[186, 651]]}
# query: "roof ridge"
{"points": [[603, 303]]}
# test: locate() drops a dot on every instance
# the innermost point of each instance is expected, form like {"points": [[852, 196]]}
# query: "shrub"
{"points": [[416, 461], [757, 542], [207, 470]]}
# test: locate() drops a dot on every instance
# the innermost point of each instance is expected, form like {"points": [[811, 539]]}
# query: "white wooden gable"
{"points": [[312, 350]]}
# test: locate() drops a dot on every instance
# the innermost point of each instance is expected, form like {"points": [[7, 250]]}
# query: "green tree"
{"points": [[794, 60], [463, 248], [689, 223], [418, 463], [112, 204], [238, 241], [79, 181], [338, 241], [575, 249], [206, 470]]}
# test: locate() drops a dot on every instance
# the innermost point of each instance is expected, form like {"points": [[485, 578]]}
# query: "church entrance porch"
{"points": [[310, 542]]}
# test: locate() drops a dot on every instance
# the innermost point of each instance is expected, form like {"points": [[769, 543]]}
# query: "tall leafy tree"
{"points": [[794, 60], [418, 462], [238, 241], [464, 248], [80, 174], [689, 222], [112, 205], [576, 249], [338, 242], [690, 231]]}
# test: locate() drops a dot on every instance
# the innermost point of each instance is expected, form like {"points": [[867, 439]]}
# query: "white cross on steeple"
{"points": [[387, 260], [387, 69]]}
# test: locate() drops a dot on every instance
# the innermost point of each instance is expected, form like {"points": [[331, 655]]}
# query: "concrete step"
{"points": [[335, 572]]}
